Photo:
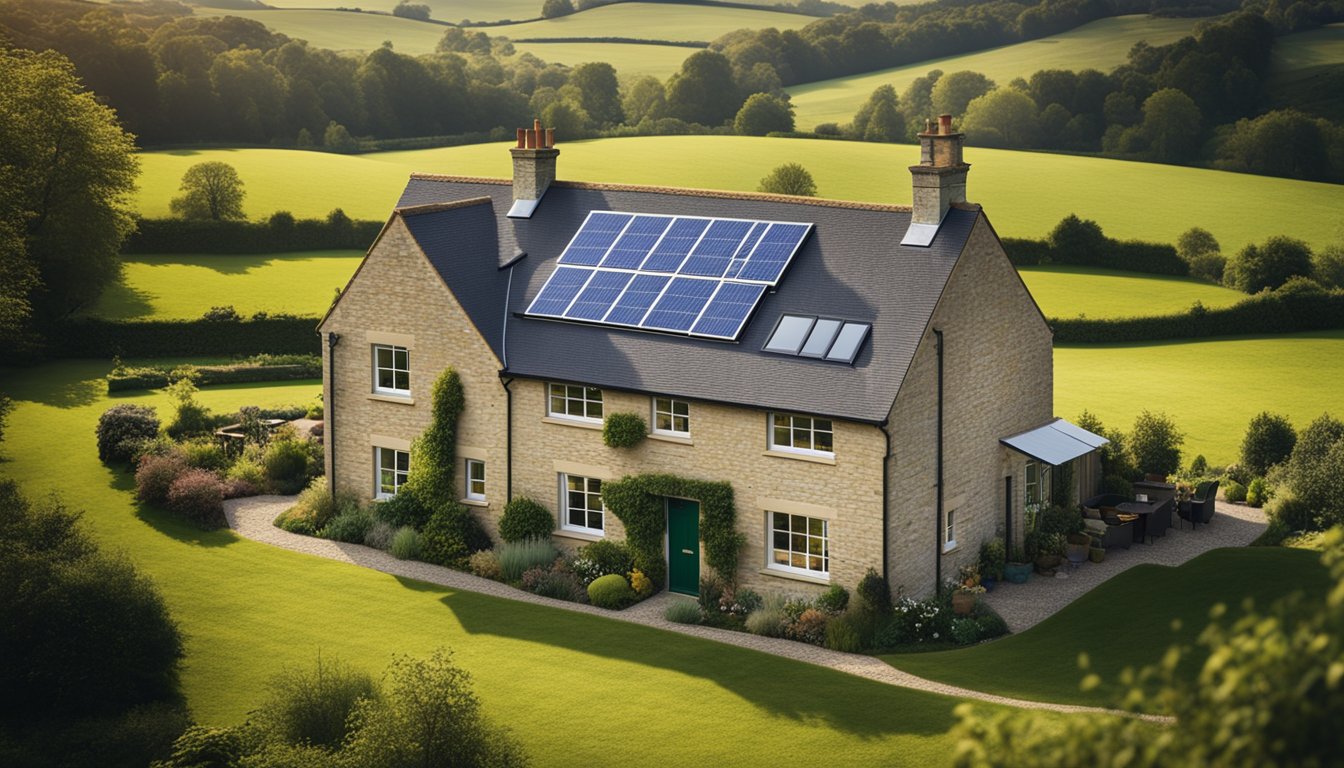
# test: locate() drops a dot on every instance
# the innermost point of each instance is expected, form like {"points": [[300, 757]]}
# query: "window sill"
{"points": [[571, 422], [565, 533], [795, 576], [950, 548], [399, 399], [474, 502], [814, 458], [678, 439]]}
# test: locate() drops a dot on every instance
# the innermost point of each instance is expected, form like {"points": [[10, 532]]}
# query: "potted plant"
{"points": [[967, 590], [1097, 553], [1018, 568], [991, 563], [1050, 554], [1076, 547]]}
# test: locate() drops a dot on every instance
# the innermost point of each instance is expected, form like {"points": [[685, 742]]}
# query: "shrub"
{"points": [[288, 463], [992, 558], [766, 621], [710, 594], [1234, 491], [120, 426], [525, 518], [1293, 514], [155, 475], [314, 706], [379, 535], [833, 600], [557, 584], [1257, 267], [1199, 467], [643, 586], [623, 430], [611, 591], [237, 489], [991, 624], [404, 509], [247, 469], [516, 558], [1257, 493], [190, 418], [843, 634], [433, 454], [809, 627], [351, 526], [315, 508], [682, 612], [200, 746], [451, 536], [198, 495], [1118, 485], [1155, 444], [486, 565], [1056, 519], [405, 543], [873, 592], [603, 558], [965, 631], [1269, 441], [205, 454], [789, 179]]}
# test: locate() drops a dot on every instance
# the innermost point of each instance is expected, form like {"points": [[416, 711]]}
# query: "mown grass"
{"points": [[1102, 45], [1065, 291], [1212, 387], [184, 286], [248, 610], [1125, 622], [1025, 194]]}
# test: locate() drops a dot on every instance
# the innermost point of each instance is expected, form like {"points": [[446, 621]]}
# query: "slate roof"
{"points": [[851, 267]]}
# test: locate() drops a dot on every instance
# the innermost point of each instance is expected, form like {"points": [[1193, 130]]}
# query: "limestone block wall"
{"points": [[998, 379]]}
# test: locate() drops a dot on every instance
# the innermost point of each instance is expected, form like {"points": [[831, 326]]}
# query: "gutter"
{"points": [[329, 408], [938, 533]]}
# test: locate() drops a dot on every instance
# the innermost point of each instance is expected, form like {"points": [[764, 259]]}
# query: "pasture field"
{"points": [[1310, 49], [631, 60], [1101, 45], [174, 287], [1128, 623], [1067, 291], [1212, 388], [654, 21], [248, 610], [1024, 193], [454, 11]]}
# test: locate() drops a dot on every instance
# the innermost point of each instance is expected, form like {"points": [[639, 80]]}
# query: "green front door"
{"points": [[683, 546]]}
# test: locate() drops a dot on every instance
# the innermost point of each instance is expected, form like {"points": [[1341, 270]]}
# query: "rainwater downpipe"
{"points": [[886, 475], [329, 407], [508, 440], [938, 534]]}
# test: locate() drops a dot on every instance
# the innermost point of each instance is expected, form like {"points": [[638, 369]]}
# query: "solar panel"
{"points": [[772, 254], [593, 239], [716, 248], [680, 304], [678, 241], [598, 295], [728, 310], [636, 242], [743, 251], [559, 291], [634, 303]]}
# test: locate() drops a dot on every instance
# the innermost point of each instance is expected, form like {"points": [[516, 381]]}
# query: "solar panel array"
{"points": [[677, 274]]}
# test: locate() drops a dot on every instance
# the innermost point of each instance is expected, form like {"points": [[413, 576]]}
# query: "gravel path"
{"points": [[252, 517], [1024, 606]]}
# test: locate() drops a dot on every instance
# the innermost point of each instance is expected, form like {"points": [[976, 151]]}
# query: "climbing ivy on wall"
{"points": [[637, 501], [433, 453]]}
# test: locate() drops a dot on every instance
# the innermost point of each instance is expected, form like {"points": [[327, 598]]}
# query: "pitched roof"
{"points": [[851, 267]]}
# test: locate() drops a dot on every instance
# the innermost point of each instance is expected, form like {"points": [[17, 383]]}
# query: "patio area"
{"points": [[1023, 606]]}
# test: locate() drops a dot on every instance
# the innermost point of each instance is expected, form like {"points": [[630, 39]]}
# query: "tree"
{"points": [[918, 100], [1257, 267], [1281, 143], [644, 99], [1269, 440], [1004, 117], [568, 119], [1314, 473], [553, 8], [1200, 251], [1267, 692], [789, 179], [1073, 235], [69, 171], [599, 93], [953, 92], [1171, 126], [1327, 266], [411, 11], [1155, 444], [337, 139], [703, 90], [763, 113], [880, 118], [210, 190]]}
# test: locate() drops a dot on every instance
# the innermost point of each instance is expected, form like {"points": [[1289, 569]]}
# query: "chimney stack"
{"points": [[533, 168], [940, 177]]}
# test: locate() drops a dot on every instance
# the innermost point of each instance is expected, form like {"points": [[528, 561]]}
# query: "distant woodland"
{"points": [[178, 79]]}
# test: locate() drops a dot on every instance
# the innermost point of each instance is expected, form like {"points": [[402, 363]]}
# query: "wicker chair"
{"points": [[1200, 507]]}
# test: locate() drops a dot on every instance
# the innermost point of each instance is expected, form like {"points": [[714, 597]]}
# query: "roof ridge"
{"points": [[462, 179], [416, 210]]}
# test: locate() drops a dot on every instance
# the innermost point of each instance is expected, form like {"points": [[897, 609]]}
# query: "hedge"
{"points": [[281, 233], [1128, 255], [97, 338], [1269, 312], [154, 378]]}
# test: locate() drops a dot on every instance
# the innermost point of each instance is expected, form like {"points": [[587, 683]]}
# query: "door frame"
{"points": [[667, 542]]}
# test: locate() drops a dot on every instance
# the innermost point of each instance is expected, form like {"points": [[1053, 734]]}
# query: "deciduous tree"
{"points": [[953, 92], [789, 179], [763, 113], [1257, 267], [703, 91], [210, 190]]}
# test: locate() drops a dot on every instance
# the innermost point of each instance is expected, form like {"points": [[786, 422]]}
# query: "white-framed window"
{"points": [[475, 480], [571, 401], [581, 503], [799, 544], [950, 530], [801, 434], [390, 468], [671, 417], [1037, 485], [391, 370]]}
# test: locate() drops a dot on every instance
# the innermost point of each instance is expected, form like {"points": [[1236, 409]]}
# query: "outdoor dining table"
{"points": [[1143, 509]]}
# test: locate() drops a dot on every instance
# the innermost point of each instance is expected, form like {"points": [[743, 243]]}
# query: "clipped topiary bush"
{"points": [[525, 518], [602, 558], [1234, 491], [121, 427], [451, 536], [1257, 493], [155, 475], [611, 591], [405, 543], [873, 593], [623, 430], [197, 495]]}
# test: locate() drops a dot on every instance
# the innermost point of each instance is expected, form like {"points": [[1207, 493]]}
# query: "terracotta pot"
{"points": [[963, 603]]}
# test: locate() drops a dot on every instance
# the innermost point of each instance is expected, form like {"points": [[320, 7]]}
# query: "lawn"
{"points": [[248, 610], [1102, 45], [1065, 291], [1124, 622], [1024, 193], [1212, 388], [184, 286]]}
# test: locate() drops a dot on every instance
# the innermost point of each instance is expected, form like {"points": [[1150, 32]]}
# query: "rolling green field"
{"points": [[248, 610], [1310, 49], [1212, 388], [1124, 622], [631, 60], [1066, 291], [1099, 45], [1024, 193], [454, 11], [179, 287], [654, 21]]}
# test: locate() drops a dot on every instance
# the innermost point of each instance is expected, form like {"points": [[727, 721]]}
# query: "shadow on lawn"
{"points": [[122, 302], [164, 522], [84, 385], [850, 704]]}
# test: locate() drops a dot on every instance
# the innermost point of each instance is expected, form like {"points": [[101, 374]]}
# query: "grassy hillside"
{"points": [[441, 10], [1024, 193], [1068, 291], [654, 21], [1100, 45], [1310, 49], [1212, 388], [248, 610], [630, 59]]}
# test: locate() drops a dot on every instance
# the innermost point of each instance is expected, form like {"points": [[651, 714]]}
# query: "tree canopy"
{"points": [[789, 179], [763, 113], [210, 190]]}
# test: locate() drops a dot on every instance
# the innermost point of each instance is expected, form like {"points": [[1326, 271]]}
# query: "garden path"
{"points": [[252, 518], [1023, 606]]}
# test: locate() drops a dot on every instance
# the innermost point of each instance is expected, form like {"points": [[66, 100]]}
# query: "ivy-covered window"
{"points": [[391, 370], [571, 401], [800, 544], [671, 417], [390, 470], [581, 500], [801, 434]]}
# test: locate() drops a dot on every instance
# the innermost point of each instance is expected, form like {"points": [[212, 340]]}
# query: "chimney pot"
{"points": [[945, 124], [533, 168], [522, 138], [940, 178], [550, 137]]}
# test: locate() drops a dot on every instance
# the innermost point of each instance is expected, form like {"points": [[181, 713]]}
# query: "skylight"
{"points": [[838, 341]]}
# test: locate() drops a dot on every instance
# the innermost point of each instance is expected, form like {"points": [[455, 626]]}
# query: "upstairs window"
{"points": [[801, 434], [671, 417], [571, 401], [391, 370]]}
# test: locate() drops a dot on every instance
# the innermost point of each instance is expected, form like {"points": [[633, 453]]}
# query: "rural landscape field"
{"points": [[192, 187]]}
